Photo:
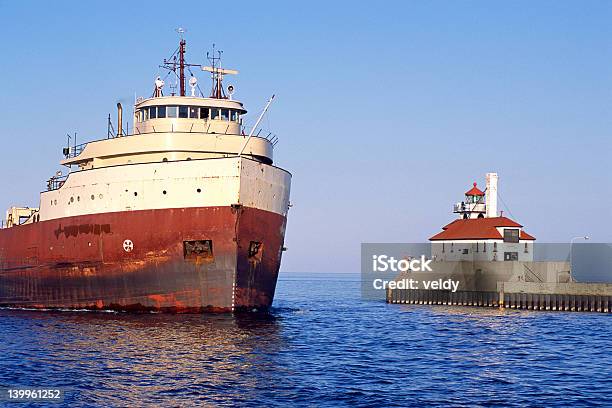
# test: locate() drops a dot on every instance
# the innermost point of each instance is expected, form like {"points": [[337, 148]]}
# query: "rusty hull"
{"points": [[84, 262]]}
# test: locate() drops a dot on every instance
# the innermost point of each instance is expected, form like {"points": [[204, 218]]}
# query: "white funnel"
{"points": [[491, 195]]}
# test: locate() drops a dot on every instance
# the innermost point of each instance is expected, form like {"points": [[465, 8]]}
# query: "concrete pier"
{"points": [[574, 297]]}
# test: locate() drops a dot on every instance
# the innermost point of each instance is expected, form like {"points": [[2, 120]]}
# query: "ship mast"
{"points": [[171, 64], [182, 66], [177, 62], [217, 88]]}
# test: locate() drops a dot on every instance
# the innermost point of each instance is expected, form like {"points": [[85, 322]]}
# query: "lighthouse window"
{"points": [[511, 235], [225, 114], [203, 113], [153, 112], [193, 112], [183, 111], [172, 111], [214, 113], [161, 112], [510, 256]]}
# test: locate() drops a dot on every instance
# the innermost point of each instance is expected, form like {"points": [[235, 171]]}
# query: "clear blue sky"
{"points": [[386, 112]]}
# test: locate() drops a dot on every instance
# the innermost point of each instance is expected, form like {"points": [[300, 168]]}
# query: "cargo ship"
{"points": [[184, 214]]}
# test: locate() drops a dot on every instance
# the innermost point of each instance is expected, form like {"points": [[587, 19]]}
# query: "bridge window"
{"points": [[172, 111], [183, 111]]}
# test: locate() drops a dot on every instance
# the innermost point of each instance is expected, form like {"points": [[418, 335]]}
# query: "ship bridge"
{"points": [[178, 126]]}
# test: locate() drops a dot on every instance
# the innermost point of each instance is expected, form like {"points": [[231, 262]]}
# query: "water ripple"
{"points": [[321, 345]]}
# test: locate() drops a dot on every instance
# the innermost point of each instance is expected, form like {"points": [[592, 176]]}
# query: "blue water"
{"points": [[321, 346]]}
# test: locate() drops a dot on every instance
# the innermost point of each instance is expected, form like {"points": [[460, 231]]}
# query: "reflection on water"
{"points": [[111, 356], [322, 345]]}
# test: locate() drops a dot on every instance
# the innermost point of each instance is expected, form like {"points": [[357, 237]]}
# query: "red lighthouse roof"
{"points": [[478, 228], [474, 191]]}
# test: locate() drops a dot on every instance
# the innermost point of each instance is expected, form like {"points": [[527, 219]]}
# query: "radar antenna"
{"points": [[217, 72]]}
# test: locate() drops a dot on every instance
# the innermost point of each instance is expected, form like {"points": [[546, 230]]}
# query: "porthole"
{"points": [[72, 199], [93, 197], [54, 202], [101, 196], [199, 190], [189, 158], [135, 194], [164, 192], [165, 159], [78, 198]]}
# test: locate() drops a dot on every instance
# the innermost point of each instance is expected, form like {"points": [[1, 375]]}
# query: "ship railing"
{"points": [[55, 183], [269, 136], [74, 151]]}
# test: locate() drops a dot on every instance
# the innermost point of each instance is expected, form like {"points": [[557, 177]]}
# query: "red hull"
{"points": [[214, 259]]}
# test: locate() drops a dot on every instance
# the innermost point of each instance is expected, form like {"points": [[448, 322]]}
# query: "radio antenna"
{"points": [[217, 73]]}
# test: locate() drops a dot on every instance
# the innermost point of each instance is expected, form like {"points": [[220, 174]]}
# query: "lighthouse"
{"points": [[479, 233]]}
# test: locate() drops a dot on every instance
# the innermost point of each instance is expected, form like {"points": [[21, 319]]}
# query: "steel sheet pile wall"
{"points": [[574, 297]]}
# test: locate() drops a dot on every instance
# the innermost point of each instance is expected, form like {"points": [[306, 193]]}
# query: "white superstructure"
{"points": [[183, 151]]}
